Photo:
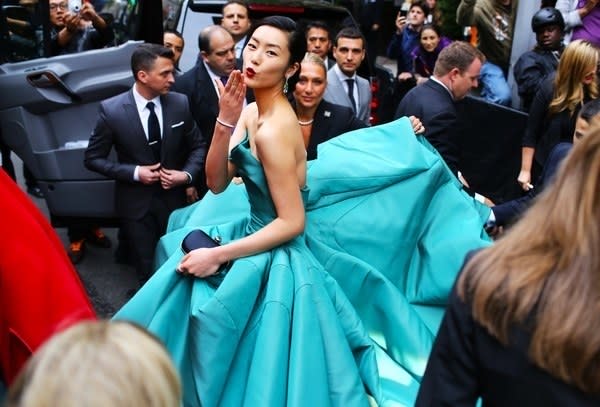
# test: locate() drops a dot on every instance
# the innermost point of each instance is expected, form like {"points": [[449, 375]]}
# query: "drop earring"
{"points": [[285, 86]]}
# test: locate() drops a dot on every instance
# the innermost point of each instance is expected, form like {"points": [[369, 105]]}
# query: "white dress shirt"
{"points": [[343, 77], [144, 113]]}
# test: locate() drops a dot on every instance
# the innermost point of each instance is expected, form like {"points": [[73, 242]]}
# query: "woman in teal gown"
{"points": [[338, 305]]}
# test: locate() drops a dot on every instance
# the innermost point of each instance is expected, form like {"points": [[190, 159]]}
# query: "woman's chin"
{"points": [[251, 82]]}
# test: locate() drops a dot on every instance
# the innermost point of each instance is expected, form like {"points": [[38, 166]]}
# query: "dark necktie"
{"points": [[153, 132], [224, 80], [350, 83]]}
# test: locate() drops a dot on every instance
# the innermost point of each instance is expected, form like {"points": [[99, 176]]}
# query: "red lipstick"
{"points": [[250, 72]]}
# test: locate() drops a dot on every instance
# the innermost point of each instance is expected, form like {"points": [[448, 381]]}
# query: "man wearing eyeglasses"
{"points": [[75, 32]]}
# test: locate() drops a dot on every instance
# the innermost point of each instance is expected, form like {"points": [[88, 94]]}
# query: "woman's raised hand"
{"points": [[232, 96]]}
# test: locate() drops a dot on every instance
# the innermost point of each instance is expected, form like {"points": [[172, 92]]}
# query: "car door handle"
{"points": [[48, 79]]}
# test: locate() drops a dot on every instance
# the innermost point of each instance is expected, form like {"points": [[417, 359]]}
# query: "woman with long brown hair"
{"points": [[522, 327], [555, 107]]}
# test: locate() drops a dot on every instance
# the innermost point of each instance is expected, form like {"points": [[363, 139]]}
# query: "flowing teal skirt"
{"points": [[349, 309]]}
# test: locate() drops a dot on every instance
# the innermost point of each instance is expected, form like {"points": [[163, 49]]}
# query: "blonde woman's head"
{"points": [[99, 364], [576, 76], [312, 81]]}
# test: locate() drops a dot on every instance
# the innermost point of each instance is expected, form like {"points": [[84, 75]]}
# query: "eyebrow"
{"points": [[267, 44]]}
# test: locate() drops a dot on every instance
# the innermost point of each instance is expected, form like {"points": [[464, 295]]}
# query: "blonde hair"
{"points": [[312, 58], [545, 273], [574, 65], [98, 363]]}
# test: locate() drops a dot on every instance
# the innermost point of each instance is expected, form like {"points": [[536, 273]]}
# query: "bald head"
{"points": [[217, 49], [209, 32]]}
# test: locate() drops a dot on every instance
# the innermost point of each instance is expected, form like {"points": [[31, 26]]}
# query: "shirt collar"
{"points": [[211, 73], [342, 76], [141, 102], [436, 80]]}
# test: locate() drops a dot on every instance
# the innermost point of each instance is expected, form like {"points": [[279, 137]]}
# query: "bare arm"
{"points": [[276, 151], [524, 178], [219, 170]]}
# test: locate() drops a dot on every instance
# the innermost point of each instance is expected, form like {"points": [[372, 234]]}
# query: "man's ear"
{"points": [[454, 72], [203, 55], [142, 76]]}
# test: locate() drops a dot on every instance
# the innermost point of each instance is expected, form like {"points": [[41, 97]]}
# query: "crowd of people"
{"points": [[336, 266]]}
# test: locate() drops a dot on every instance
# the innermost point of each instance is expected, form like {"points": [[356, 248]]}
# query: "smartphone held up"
{"points": [[74, 6]]}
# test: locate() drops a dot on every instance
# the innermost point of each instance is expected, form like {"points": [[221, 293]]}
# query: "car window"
{"points": [[201, 13], [26, 32]]}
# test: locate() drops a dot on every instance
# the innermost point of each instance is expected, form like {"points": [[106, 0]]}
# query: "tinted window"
{"points": [[25, 31]]}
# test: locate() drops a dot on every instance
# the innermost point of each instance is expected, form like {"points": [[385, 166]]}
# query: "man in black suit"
{"points": [[318, 41], [159, 151], [216, 62], [371, 20], [456, 72]]}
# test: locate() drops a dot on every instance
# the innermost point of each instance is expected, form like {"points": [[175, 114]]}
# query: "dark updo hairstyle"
{"points": [[296, 42], [433, 27]]}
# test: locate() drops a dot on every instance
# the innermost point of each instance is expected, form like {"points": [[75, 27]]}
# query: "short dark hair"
{"points": [[240, 2], [145, 55], [422, 5], [350, 32], [589, 110], [205, 35], [175, 33], [318, 24], [460, 55]]}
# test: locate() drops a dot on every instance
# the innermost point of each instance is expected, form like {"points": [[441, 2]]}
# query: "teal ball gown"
{"points": [[343, 315]]}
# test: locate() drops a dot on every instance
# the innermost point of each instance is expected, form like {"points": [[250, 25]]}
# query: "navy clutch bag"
{"points": [[197, 239]]}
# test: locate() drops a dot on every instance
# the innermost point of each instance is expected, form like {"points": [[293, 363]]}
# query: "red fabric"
{"points": [[40, 291]]}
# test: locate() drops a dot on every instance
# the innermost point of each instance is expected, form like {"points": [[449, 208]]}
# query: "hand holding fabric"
{"points": [[416, 124]]}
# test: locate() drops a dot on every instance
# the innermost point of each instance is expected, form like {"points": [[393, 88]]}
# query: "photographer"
{"points": [[74, 31]]}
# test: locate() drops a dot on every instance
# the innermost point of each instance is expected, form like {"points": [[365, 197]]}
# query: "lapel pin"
{"points": [[327, 113]]}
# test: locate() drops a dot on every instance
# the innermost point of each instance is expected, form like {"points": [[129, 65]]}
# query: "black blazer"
{"points": [[544, 131], [331, 120], [197, 85], [467, 363], [509, 211], [119, 126], [436, 109]]}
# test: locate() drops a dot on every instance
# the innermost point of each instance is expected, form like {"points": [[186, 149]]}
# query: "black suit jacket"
{"points": [[371, 12], [436, 109], [197, 85], [467, 363], [331, 120], [508, 211], [119, 126]]}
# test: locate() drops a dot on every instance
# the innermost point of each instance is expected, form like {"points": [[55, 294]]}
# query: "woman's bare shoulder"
{"points": [[282, 127]]}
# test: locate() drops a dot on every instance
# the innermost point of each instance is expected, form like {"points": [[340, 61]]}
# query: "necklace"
{"points": [[306, 123]]}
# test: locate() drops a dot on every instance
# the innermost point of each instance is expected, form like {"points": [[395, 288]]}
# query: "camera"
{"points": [[74, 6]]}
